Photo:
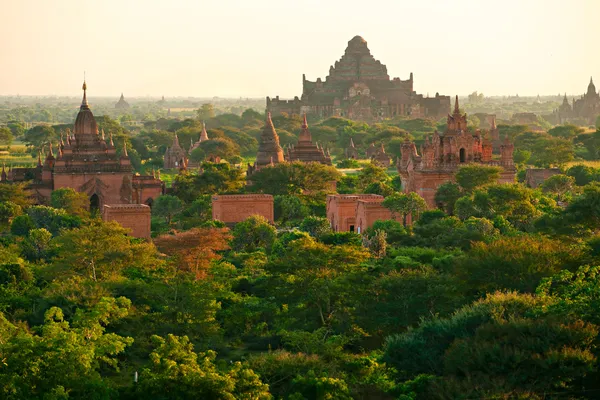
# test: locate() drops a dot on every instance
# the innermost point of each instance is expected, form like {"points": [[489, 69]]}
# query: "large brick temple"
{"points": [[359, 87], [88, 162], [584, 110], [443, 154]]}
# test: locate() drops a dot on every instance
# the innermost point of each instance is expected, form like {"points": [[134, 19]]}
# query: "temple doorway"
{"points": [[462, 155], [94, 203]]}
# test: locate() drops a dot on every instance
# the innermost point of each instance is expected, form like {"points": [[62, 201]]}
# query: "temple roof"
{"points": [[591, 87], [85, 123]]}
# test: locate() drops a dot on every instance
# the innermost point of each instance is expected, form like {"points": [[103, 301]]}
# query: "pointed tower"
{"points": [[269, 150], [203, 134], [456, 122], [305, 150]]}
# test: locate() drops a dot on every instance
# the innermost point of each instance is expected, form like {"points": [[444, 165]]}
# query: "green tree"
{"points": [[470, 177], [371, 174], [63, 360], [205, 112], [220, 147], [37, 244], [16, 193], [167, 206], [294, 178], [446, 196], [72, 202], [558, 185], [213, 179], [405, 204], [315, 226], [253, 233], [101, 251], [176, 372], [6, 136], [8, 211], [39, 136]]}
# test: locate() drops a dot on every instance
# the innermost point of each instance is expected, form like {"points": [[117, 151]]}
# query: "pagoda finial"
{"points": [[84, 102], [50, 152], [494, 122], [103, 137], [351, 142], [62, 143], [456, 109], [111, 140], [124, 150], [304, 122], [176, 141]]}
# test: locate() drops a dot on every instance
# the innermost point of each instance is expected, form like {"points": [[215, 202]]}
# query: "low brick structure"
{"points": [[237, 207], [130, 216], [341, 210], [370, 210], [534, 177]]}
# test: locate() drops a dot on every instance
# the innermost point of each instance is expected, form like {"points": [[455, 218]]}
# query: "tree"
{"points": [[100, 251], [194, 250], [446, 196], [289, 208], [371, 174], [377, 244], [63, 360], [558, 185], [8, 211], [584, 210], [74, 203], [16, 193], [566, 131], [213, 179], [36, 244], [470, 177], [405, 204], [294, 178], [583, 174], [6, 136], [220, 147], [39, 136], [253, 233], [380, 188], [315, 226], [205, 112], [167, 206], [176, 372], [552, 152]]}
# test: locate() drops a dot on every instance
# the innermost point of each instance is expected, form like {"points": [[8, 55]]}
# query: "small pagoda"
{"points": [[122, 104], [305, 150], [269, 150]]}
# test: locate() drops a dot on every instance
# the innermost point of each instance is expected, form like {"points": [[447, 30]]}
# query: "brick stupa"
{"points": [[269, 150], [306, 150]]}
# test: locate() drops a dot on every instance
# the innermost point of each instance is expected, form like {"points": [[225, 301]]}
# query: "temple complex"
{"points": [[442, 155], [380, 157], [351, 151], [175, 156], [305, 150], [88, 162], [122, 104], [584, 110], [269, 150], [358, 87]]}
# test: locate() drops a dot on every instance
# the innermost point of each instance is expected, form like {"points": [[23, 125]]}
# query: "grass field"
{"points": [[16, 156], [593, 164]]}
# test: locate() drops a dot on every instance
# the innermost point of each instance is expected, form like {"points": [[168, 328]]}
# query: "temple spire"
{"points": [[124, 150], [203, 134], [494, 123], [304, 122], [456, 109], [84, 102], [50, 152], [111, 140]]}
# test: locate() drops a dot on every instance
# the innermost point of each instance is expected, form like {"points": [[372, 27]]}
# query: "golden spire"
{"points": [[84, 102]]}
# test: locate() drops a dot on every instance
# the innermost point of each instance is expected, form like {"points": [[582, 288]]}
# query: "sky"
{"points": [[257, 48]]}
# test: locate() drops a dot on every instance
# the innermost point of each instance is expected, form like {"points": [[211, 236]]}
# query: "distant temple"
{"points": [[306, 150], [88, 162], [269, 150], [584, 110], [175, 156], [359, 87], [351, 151], [122, 104], [381, 158], [442, 155]]}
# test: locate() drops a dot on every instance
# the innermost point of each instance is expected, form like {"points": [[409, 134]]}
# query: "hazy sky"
{"points": [[256, 48]]}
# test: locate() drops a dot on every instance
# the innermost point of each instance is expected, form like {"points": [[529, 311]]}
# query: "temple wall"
{"points": [[236, 208], [369, 211], [135, 217]]}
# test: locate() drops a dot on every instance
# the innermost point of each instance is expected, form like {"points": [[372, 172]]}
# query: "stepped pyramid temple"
{"points": [[358, 87], [269, 150], [122, 104], [584, 110], [88, 162], [305, 150], [442, 155]]}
